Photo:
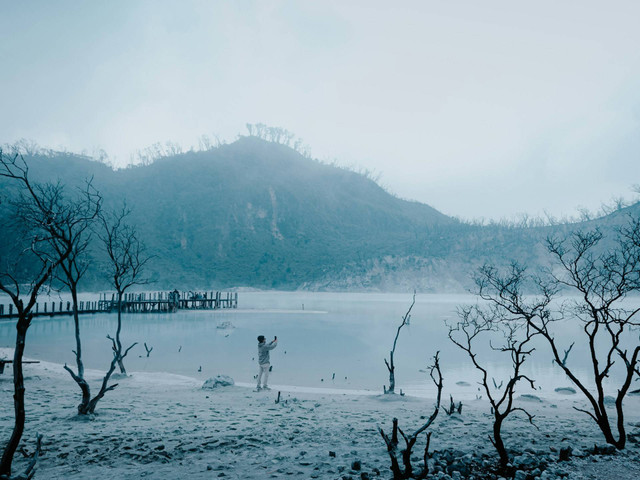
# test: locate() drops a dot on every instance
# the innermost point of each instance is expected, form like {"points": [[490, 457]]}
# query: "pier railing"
{"points": [[134, 303]]}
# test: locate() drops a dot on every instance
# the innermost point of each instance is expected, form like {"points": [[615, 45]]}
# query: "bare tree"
{"points": [[403, 456], [71, 233], [390, 363], [127, 260], [602, 279], [515, 334], [24, 146], [24, 293], [602, 275], [204, 143]]}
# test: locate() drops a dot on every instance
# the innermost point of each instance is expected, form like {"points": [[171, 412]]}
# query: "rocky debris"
{"points": [[605, 449], [217, 382]]}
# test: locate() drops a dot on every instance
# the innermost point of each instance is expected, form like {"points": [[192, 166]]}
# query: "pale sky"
{"points": [[480, 109]]}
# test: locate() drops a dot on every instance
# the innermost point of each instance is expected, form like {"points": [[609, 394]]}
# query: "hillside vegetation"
{"points": [[259, 214]]}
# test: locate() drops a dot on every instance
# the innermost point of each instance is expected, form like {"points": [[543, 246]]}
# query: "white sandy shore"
{"points": [[163, 426]]}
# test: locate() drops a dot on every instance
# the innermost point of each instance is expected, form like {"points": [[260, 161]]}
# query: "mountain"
{"points": [[259, 214]]}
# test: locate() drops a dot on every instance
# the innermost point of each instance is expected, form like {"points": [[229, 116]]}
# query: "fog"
{"points": [[480, 110]]}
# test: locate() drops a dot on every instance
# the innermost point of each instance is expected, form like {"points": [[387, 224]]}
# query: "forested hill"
{"points": [[259, 214]]}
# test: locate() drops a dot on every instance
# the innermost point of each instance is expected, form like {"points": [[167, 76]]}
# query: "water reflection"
{"points": [[320, 334]]}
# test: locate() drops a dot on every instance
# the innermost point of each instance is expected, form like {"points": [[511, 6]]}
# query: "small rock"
{"points": [[356, 465], [605, 449], [565, 453], [520, 475], [218, 381], [578, 453], [332, 454], [524, 460], [566, 390], [527, 397]]}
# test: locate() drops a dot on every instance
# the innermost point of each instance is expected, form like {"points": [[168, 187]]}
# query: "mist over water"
{"points": [[319, 334]]}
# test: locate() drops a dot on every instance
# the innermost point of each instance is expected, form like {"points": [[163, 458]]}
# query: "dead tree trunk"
{"points": [[18, 397], [601, 278], [79, 377], [118, 343], [127, 256], [476, 322], [406, 471], [389, 363], [37, 212], [496, 441], [105, 387]]}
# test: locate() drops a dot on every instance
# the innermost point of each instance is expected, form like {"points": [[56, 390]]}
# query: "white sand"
{"points": [[165, 426]]}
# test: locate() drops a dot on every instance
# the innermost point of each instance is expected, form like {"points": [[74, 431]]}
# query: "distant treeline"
{"points": [[260, 212]]}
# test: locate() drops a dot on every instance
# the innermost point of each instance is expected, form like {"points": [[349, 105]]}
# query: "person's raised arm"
{"points": [[273, 344]]}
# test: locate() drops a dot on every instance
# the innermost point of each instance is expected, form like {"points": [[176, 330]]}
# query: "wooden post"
{"points": [[1, 309], [236, 301], [53, 307], [45, 307], [11, 309]]}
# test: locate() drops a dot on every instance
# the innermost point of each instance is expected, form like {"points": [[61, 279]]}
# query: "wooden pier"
{"points": [[158, 302]]}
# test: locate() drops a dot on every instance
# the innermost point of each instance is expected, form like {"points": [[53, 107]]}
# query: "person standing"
{"points": [[264, 361]]}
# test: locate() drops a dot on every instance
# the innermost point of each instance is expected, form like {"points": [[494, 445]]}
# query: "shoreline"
{"points": [[158, 425]]}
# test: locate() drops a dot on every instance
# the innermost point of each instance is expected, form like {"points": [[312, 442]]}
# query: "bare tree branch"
{"points": [[127, 261], [496, 321], [390, 364], [602, 273], [397, 456]]}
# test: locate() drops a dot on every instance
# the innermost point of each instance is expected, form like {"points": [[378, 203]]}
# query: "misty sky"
{"points": [[480, 109]]}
